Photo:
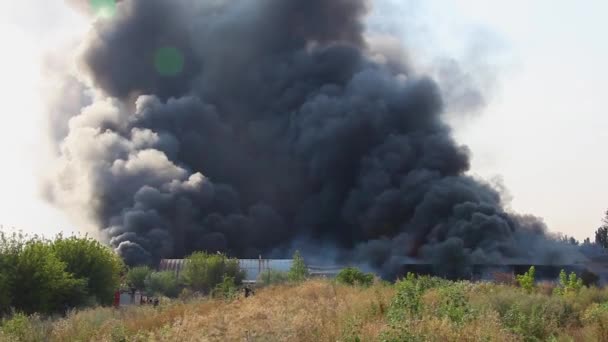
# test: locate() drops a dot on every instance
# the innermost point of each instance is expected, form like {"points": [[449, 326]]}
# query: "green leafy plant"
{"points": [[407, 302], [97, 265], [204, 271], [227, 289], [354, 276], [162, 283], [568, 284], [526, 280], [136, 277], [298, 271]]}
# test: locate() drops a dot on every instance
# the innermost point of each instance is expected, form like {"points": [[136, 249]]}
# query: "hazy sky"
{"points": [[544, 130]]}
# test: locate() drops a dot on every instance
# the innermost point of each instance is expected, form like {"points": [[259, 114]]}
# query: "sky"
{"points": [[540, 65]]}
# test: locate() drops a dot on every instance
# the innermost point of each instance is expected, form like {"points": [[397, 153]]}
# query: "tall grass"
{"points": [[413, 309]]}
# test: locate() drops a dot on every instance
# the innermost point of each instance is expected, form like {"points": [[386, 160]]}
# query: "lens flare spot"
{"points": [[168, 61], [103, 8]]}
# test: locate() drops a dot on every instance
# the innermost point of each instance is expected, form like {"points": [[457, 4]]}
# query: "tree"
{"points": [[163, 283], [526, 280], [568, 284], [87, 259], [40, 282], [567, 239], [136, 277], [203, 272], [601, 234], [298, 270]]}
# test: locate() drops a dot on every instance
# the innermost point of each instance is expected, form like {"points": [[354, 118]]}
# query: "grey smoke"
{"points": [[282, 130]]}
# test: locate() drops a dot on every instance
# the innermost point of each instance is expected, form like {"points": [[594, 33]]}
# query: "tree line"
{"points": [[38, 275]]}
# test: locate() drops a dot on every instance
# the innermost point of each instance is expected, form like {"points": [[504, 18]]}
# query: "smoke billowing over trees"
{"points": [[253, 127]]}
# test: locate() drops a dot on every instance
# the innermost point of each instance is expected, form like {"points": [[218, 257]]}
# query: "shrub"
{"points": [[40, 282], [163, 283], [453, 304], [568, 284], [407, 301], [298, 270], [597, 316], [227, 289], [526, 280], [353, 276], [271, 277], [97, 265], [203, 272], [136, 277]]}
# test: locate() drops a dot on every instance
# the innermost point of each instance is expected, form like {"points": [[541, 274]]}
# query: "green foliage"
{"points": [[271, 277], [227, 289], [49, 276], [353, 276], [162, 283], [203, 272], [298, 271], [568, 284], [453, 304], [40, 282], [596, 316], [526, 280], [407, 302], [136, 277], [97, 265]]}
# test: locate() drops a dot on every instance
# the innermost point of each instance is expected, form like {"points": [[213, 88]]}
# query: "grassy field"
{"points": [[421, 309]]}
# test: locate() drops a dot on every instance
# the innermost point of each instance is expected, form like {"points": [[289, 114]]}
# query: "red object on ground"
{"points": [[116, 299]]}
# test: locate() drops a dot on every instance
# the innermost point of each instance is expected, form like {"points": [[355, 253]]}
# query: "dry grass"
{"points": [[312, 311], [319, 310]]}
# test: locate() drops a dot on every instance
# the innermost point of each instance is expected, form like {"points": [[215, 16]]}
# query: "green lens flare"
{"points": [[168, 61], [103, 8]]}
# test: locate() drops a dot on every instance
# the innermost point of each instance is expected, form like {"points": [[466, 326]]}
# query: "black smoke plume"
{"points": [[279, 126]]}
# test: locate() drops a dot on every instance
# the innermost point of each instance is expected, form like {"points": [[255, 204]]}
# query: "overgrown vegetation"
{"points": [[272, 277], [50, 276], [354, 276], [298, 271], [416, 308], [203, 271], [526, 280]]}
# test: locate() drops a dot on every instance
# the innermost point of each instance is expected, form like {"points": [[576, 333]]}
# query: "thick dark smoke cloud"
{"points": [[283, 129]]}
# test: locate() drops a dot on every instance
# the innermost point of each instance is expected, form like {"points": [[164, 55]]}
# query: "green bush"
{"points": [[162, 283], [596, 316], [526, 280], [136, 277], [453, 304], [353, 276], [97, 265], [40, 282], [227, 289], [49, 276], [203, 272], [568, 285], [271, 277], [407, 302], [298, 271]]}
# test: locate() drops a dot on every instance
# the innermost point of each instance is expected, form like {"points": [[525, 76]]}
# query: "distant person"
{"points": [[248, 291]]}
